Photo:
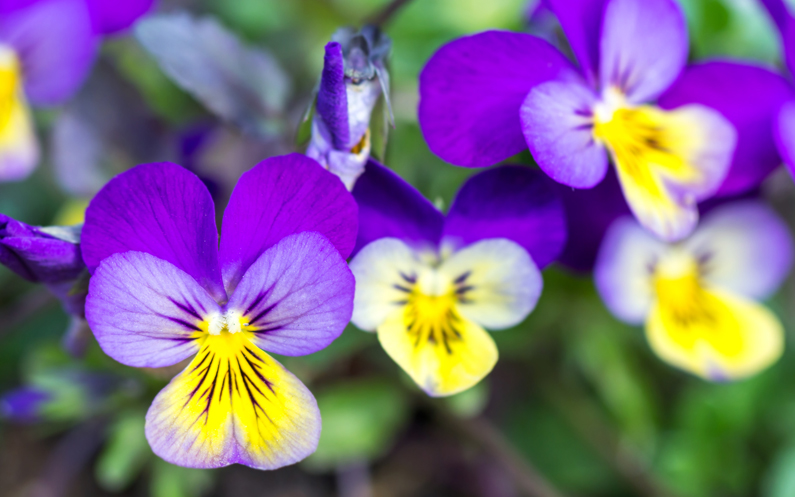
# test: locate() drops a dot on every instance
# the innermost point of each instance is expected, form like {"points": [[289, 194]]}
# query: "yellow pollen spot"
{"points": [[363, 145], [10, 85], [692, 314], [432, 319]]}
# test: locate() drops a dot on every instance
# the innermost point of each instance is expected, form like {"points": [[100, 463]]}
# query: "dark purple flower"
{"points": [[354, 78], [429, 284], [23, 405], [488, 96], [162, 291]]}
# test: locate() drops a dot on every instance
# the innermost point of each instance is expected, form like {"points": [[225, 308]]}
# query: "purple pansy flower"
{"points": [[47, 48], [354, 78], [162, 291], [486, 97], [698, 298], [429, 284]]}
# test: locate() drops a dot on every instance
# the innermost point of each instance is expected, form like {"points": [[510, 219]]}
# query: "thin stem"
{"points": [[481, 431], [384, 15]]}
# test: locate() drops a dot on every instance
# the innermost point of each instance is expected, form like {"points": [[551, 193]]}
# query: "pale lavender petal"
{"points": [[643, 47], [110, 17], [389, 207], [557, 122], [332, 101], [278, 197], [581, 21], [56, 45], [749, 97], [743, 247], [471, 91], [146, 312], [161, 209], [297, 297], [510, 202]]}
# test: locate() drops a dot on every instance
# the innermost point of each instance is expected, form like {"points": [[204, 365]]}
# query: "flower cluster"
{"points": [[629, 141]]}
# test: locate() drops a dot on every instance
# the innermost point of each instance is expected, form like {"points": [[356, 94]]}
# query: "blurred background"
{"points": [[576, 396]]}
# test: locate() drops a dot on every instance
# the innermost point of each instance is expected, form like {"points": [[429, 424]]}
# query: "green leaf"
{"points": [[125, 453], [360, 421], [174, 481]]}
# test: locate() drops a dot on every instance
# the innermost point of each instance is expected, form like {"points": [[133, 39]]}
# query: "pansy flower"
{"points": [[354, 78], [430, 284], [47, 48], [698, 298], [163, 291], [486, 97]]}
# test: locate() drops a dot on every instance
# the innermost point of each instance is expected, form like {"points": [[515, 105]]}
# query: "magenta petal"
{"points": [[297, 297], [785, 22], [56, 46], [471, 91], [581, 21], [113, 16], [643, 47], [510, 202], [278, 197], [161, 209], [390, 207], [784, 132], [144, 311], [558, 126], [749, 97]]}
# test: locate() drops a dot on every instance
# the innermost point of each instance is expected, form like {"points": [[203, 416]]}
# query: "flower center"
{"points": [[10, 80], [229, 322]]}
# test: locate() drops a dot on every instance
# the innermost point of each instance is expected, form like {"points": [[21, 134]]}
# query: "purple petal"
{"points": [[558, 126], [112, 17], [161, 209], [744, 247], [785, 22], [581, 21], [390, 207], [23, 405], [510, 202], [784, 133], [727, 87], [146, 312], [643, 47], [332, 98], [40, 256], [56, 46], [297, 297], [471, 91], [278, 197], [588, 215]]}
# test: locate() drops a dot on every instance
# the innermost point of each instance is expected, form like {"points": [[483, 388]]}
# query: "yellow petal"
{"points": [[715, 334], [233, 404], [443, 352]]}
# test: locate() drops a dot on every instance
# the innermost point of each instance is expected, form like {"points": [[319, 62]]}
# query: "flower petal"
{"points": [[643, 47], [19, 147], [726, 87], [382, 268], [233, 404], [161, 209], [332, 98], [471, 91], [683, 157], [390, 207], [146, 312], [56, 46], [785, 22], [502, 283], [727, 338], [297, 297], [784, 133], [558, 125], [278, 197], [510, 202], [744, 248], [623, 271], [112, 17], [581, 21], [440, 367]]}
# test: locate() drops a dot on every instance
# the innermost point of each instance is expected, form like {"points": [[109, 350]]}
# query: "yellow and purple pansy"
{"points": [[486, 97], [699, 298], [162, 291], [430, 284]]}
